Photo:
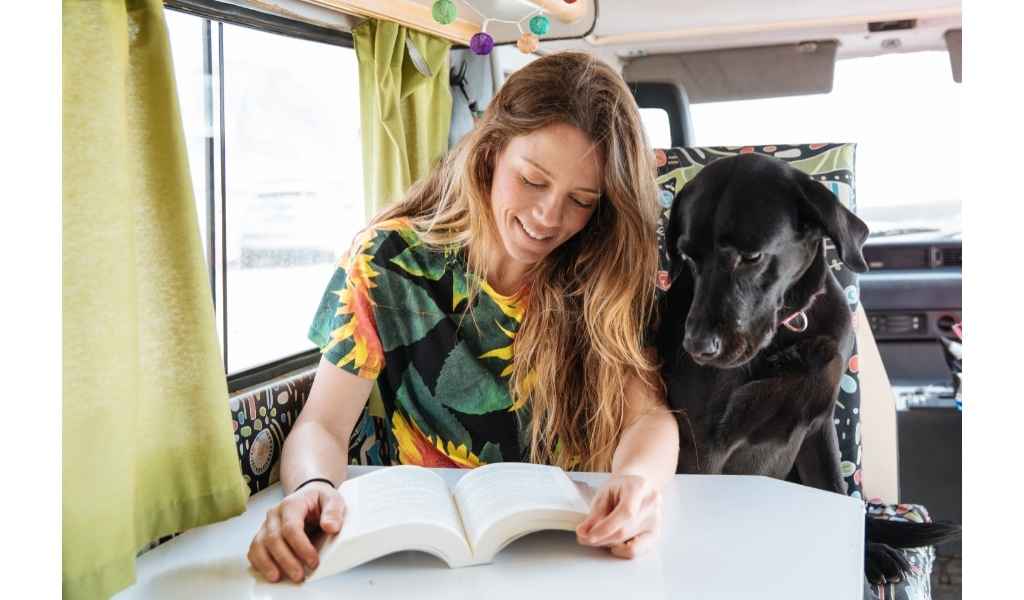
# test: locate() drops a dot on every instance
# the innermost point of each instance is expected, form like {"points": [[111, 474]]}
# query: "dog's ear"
{"points": [[679, 222], [847, 231], [686, 211], [673, 229]]}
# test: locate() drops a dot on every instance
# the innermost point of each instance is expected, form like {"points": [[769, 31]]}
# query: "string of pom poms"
{"points": [[445, 13]]}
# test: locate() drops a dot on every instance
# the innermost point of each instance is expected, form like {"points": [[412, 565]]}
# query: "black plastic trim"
{"points": [[265, 373], [253, 19], [670, 98], [223, 193]]}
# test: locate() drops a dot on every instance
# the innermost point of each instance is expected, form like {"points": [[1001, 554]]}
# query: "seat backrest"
{"points": [[832, 165], [263, 416]]}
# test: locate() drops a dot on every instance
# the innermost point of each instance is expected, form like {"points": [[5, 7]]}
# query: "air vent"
{"points": [[913, 256], [896, 257], [901, 25], [950, 257]]}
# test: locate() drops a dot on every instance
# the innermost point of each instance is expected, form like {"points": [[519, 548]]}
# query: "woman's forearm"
{"points": [[311, 451], [649, 447]]}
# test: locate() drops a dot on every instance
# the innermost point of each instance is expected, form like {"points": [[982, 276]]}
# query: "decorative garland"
{"points": [[482, 43]]}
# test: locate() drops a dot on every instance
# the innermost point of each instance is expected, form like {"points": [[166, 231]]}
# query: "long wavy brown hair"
{"points": [[580, 344]]}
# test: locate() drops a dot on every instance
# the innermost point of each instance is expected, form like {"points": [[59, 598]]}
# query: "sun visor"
{"points": [[742, 73], [954, 44]]}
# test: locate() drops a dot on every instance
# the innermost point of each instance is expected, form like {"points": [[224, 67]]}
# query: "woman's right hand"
{"points": [[282, 546]]}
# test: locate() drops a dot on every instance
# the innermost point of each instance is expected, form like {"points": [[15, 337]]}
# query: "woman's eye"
{"points": [[530, 183], [582, 203], [753, 257]]}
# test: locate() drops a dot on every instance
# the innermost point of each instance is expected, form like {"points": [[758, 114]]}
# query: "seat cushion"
{"points": [[833, 166]]}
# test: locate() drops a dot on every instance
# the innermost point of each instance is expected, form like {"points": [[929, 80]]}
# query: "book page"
{"points": [[488, 494], [397, 495]]}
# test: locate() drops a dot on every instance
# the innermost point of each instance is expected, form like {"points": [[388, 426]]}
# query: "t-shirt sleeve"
{"points": [[345, 325]]}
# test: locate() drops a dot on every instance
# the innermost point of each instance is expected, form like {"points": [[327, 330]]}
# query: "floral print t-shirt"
{"points": [[395, 312]]}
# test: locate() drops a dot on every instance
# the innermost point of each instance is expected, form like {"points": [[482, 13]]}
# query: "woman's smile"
{"points": [[534, 233]]}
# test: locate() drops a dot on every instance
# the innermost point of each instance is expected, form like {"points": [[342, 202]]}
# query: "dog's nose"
{"points": [[703, 348]]}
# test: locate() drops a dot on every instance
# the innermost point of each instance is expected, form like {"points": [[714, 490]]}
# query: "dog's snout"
{"points": [[704, 347]]}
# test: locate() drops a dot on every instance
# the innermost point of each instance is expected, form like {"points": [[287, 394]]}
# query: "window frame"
{"points": [[216, 14], [672, 99]]}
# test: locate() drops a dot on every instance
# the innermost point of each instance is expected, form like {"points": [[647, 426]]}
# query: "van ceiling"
{"points": [[640, 27], [626, 29]]}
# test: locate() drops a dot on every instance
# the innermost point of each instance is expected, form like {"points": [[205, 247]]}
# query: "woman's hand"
{"points": [[624, 517], [283, 546]]}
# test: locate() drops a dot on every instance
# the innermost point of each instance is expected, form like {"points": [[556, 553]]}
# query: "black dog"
{"points": [[755, 331]]}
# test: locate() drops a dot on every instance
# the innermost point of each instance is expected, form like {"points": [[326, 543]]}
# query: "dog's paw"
{"points": [[884, 564], [819, 351], [804, 357]]}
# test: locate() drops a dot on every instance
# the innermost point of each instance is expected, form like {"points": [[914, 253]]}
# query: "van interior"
{"points": [[270, 105]]}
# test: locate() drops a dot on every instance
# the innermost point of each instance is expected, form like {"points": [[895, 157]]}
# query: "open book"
{"points": [[411, 508]]}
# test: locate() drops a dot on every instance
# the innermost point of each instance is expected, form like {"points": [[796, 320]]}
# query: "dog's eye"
{"points": [[752, 258]]}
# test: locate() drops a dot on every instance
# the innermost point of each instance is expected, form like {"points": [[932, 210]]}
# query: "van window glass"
{"points": [[294, 185], [289, 163], [903, 110], [659, 130]]}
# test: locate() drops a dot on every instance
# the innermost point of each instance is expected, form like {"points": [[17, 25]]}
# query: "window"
{"points": [[903, 110], [272, 128], [658, 126]]}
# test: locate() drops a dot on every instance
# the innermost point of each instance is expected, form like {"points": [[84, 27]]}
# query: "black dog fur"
{"points": [[746, 242]]}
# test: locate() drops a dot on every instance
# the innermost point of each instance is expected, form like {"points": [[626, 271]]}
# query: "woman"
{"points": [[501, 309]]}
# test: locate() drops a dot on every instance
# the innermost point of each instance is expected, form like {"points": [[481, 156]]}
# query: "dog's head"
{"points": [[748, 230]]}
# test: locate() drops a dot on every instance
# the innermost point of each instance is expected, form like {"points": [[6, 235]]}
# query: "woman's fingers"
{"points": [[282, 547], [633, 514], [599, 508], [261, 561], [637, 545], [293, 530], [332, 511], [622, 522], [281, 552]]}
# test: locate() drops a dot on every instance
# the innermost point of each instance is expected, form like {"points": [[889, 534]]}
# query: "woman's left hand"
{"points": [[624, 517]]}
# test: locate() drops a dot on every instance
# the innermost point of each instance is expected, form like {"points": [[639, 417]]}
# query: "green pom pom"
{"points": [[444, 12], [539, 25]]}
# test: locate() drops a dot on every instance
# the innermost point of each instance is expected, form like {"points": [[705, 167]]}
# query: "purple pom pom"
{"points": [[481, 43]]}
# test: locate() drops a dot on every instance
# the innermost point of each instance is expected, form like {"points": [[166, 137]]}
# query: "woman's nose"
{"points": [[548, 211]]}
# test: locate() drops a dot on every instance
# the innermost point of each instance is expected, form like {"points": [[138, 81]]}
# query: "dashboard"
{"points": [[912, 296]]}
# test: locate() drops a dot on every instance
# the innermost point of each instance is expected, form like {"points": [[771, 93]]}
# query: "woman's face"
{"points": [[546, 186]]}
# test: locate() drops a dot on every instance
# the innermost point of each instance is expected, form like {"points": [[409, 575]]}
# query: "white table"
{"points": [[723, 537]]}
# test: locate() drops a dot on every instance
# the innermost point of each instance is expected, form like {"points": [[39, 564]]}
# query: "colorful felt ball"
{"points": [[539, 25], [528, 43], [444, 11], [481, 43]]}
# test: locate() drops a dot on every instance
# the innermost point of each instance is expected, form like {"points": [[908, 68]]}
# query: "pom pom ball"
{"points": [[444, 12], [539, 25], [481, 43]]}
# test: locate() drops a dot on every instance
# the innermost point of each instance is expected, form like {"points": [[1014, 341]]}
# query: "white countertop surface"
{"points": [[722, 537]]}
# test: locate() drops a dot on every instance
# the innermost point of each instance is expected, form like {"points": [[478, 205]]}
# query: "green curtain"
{"points": [[405, 112], [148, 446]]}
